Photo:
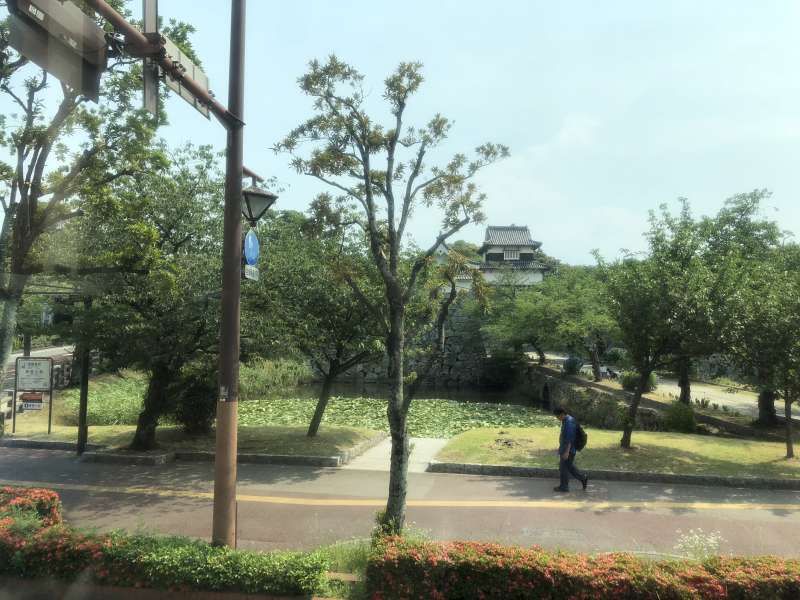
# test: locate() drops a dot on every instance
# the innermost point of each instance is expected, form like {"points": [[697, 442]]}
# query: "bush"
{"points": [[630, 379], [54, 550], [260, 378], [400, 569], [680, 417], [596, 409], [45, 504], [572, 365], [195, 399], [617, 357], [174, 562]]}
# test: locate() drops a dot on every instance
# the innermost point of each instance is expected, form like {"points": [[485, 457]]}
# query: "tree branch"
{"points": [[366, 302], [409, 195], [421, 261]]}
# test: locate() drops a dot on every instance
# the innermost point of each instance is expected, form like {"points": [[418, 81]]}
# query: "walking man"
{"points": [[566, 451]]}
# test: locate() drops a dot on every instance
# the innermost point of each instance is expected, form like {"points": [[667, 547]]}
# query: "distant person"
{"points": [[566, 451]]}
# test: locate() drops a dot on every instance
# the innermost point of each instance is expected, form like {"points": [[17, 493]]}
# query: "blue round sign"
{"points": [[251, 249]]}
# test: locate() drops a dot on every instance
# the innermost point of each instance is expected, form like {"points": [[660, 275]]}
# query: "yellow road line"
{"points": [[593, 505]]}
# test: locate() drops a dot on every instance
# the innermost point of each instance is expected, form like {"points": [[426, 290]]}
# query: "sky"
{"points": [[609, 108]]}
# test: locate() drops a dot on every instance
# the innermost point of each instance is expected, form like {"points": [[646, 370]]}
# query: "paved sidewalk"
{"points": [[423, 451]]}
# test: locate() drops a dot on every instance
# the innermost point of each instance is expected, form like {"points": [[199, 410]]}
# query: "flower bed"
{"points": [[34, 543], [401, 569], [44, 503]]}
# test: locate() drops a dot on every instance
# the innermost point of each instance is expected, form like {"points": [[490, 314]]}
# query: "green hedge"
{"points": [[408, 570], [54, 550]]}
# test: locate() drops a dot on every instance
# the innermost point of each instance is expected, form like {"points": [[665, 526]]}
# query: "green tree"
{"points": [[311, 305], [158, 311], [678, 244], [577, 307], [348, 146], [518, 319], [641, 302], [766, 335], [736, 242], [56, 146]]}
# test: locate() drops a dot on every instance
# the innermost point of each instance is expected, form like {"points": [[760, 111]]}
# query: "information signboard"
{"points": [[190, 70], [33, 374], [250, 272], [32, 401], [31, 377]]}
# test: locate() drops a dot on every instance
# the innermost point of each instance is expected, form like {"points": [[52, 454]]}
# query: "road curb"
{"points": [[129, 458], [264, 459], [606, 475], [43, 444], [359, 449], [99, 454]]}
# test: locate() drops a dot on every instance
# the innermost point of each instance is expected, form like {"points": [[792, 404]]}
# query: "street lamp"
{"points": [[255, 202]]}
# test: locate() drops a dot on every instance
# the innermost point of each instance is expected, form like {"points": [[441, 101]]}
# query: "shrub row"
{"points": [[54, 550], [401, 569]]}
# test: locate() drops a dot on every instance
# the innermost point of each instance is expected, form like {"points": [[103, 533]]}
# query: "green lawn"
{"points": [[259, 439], [654, 452]]}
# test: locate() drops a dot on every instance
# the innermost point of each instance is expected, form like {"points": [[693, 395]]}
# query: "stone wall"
{"points": [[590, 406]]}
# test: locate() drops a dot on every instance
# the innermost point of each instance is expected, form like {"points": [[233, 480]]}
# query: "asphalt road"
{"points": [[300, 507]]}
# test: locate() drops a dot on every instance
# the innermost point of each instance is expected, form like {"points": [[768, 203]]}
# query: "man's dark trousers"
{"points": [[567, 468]]}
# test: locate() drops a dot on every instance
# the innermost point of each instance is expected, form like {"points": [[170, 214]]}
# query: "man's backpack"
{"points": [[580, 437]]}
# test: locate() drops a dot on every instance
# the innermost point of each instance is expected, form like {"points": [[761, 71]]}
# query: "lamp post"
{"points": [[223, 532], [255, 202]]}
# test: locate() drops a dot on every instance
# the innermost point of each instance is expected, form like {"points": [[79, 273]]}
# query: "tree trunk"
{"points": [[26, 344], [684, 366], [8, 320], [594, 358], [789, 433], [633, 409], [322, 402], [154, 404], [766, 408], [539, 352], [394, 517]]}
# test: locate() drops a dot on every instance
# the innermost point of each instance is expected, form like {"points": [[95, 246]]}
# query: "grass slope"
{"points": [[654, 452]]}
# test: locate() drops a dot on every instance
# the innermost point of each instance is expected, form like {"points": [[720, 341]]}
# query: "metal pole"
{"points": [[14, 399], [50, 401], [83, 406], [224, 522]]}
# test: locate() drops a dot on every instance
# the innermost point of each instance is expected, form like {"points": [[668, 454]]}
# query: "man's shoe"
{"points": [[585, 482], [558, 488]]}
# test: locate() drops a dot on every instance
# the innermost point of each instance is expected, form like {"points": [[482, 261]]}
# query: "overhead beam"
{"points": [[137, 38]]}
